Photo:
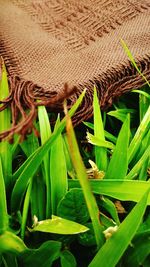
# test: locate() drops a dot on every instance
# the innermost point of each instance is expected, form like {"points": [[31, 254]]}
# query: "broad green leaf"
{"points": [[99, 142], [67, 259], [120, 114], [126, 190], [73, 207], [82, 176], [58, 225], [3, 204], [118, 165], [116, 245], [9, 259], [9, 242], [100, 152], [31, 165], [143, 128], [138, 252], [58, 172], [5, 124], [88, 238], [44, 256]]}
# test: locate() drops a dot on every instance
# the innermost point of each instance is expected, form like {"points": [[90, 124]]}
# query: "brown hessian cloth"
{"points": [[49, 43]]}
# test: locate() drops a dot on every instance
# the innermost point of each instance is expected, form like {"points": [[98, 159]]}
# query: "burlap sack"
{"points": [[46, 44]]}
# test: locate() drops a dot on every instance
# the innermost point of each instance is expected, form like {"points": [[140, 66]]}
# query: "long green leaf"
{"points": [[126, 190], [3, 205], [45, 133], [108, 135], [58, 131], [5, 124], [29, 168], [143, 128], [129, 54], [118, 165], [28, 146], [100, 152], [138, 166], [58, 171], [82, 176], [116, 245], [121, 114]]}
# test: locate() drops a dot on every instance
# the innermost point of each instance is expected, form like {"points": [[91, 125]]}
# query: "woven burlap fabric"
{"points": [[48, 44]]}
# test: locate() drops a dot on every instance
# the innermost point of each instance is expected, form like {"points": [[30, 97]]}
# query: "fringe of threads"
{"points": [[25, 96]]}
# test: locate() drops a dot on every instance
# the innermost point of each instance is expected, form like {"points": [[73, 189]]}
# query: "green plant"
{"points": [[52, 206]]}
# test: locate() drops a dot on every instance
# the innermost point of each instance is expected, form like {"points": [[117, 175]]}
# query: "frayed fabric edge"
{"points": [[25, 96]]}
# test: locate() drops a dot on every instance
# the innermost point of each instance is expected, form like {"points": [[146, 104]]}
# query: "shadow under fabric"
{"points": [[47, 44]]}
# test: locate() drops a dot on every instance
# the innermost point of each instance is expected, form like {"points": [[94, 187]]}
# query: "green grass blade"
{"points": [[145, 94], [109, 206], [44, 123], [45, 133], [5, 124], [144, 100], [58, 171], [137, 167], [38, 198], [116, 245], [28, 146], [58, 131], [82, 176], [70, 168], [25, 210], [118, 165], [99, 142], [29, 168], [120, 114], [3, 205], [100, 152], [130, 56], [141, 131], [108, 135], [125, 190]]}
